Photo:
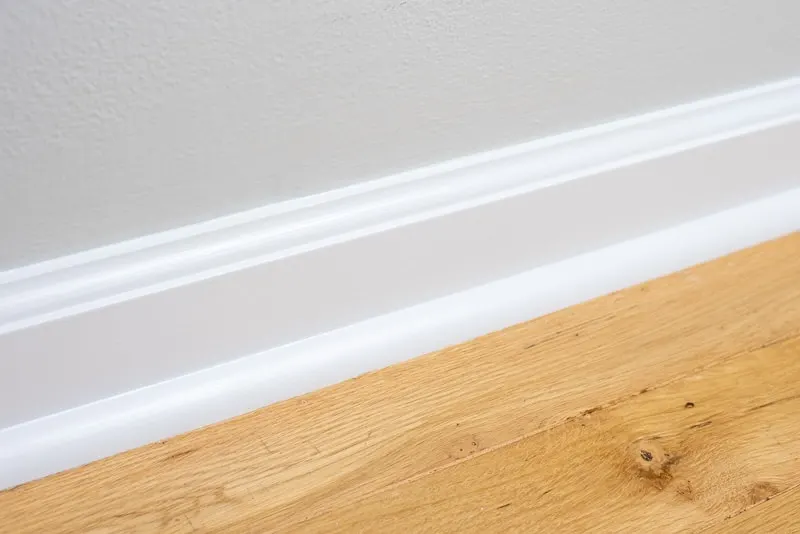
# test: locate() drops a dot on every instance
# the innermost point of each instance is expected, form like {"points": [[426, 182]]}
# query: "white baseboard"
{"points": [[116, 347]]}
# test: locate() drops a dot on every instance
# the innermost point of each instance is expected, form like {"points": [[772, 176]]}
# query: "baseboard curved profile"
{"points": [[116, 347]]}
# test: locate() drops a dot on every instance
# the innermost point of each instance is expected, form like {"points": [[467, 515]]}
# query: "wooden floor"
{"points": [[672, 406]]}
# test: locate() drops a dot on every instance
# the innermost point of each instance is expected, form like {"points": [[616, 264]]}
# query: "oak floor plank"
{"points": [[667, 460], [778, 515], [298, 459]]}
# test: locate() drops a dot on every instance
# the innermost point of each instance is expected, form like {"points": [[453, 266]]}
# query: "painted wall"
{"points": [[122, 118]]}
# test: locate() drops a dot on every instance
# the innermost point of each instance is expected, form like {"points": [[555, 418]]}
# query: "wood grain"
{"points": [[678, 457], [291, 462], [778, 515]]}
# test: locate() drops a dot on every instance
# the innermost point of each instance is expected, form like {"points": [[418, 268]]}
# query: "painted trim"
{"points": [[98, 277], [135, 342]]}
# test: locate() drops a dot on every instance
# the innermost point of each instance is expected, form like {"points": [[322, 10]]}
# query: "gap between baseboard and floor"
{"points": [[112, 348]]}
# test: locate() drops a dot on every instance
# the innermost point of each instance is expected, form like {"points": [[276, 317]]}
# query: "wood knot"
{"points": [[651, 460]]}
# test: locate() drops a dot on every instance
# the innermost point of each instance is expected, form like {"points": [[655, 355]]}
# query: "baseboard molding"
{"points": [[116, 347]]}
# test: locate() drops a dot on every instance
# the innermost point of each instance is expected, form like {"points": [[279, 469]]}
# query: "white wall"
{"points": [[122, 118]]}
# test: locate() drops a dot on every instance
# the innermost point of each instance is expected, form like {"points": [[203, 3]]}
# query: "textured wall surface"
{"points": [[121, 118]]}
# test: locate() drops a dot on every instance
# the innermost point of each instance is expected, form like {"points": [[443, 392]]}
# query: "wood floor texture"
{"points": [[672, 406]]}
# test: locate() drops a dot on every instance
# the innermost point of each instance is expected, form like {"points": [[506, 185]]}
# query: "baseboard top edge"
{"points": [[278, 230]]}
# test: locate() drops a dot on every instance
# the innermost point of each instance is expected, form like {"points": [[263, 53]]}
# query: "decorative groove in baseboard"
{"points": [[77, 283]]}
